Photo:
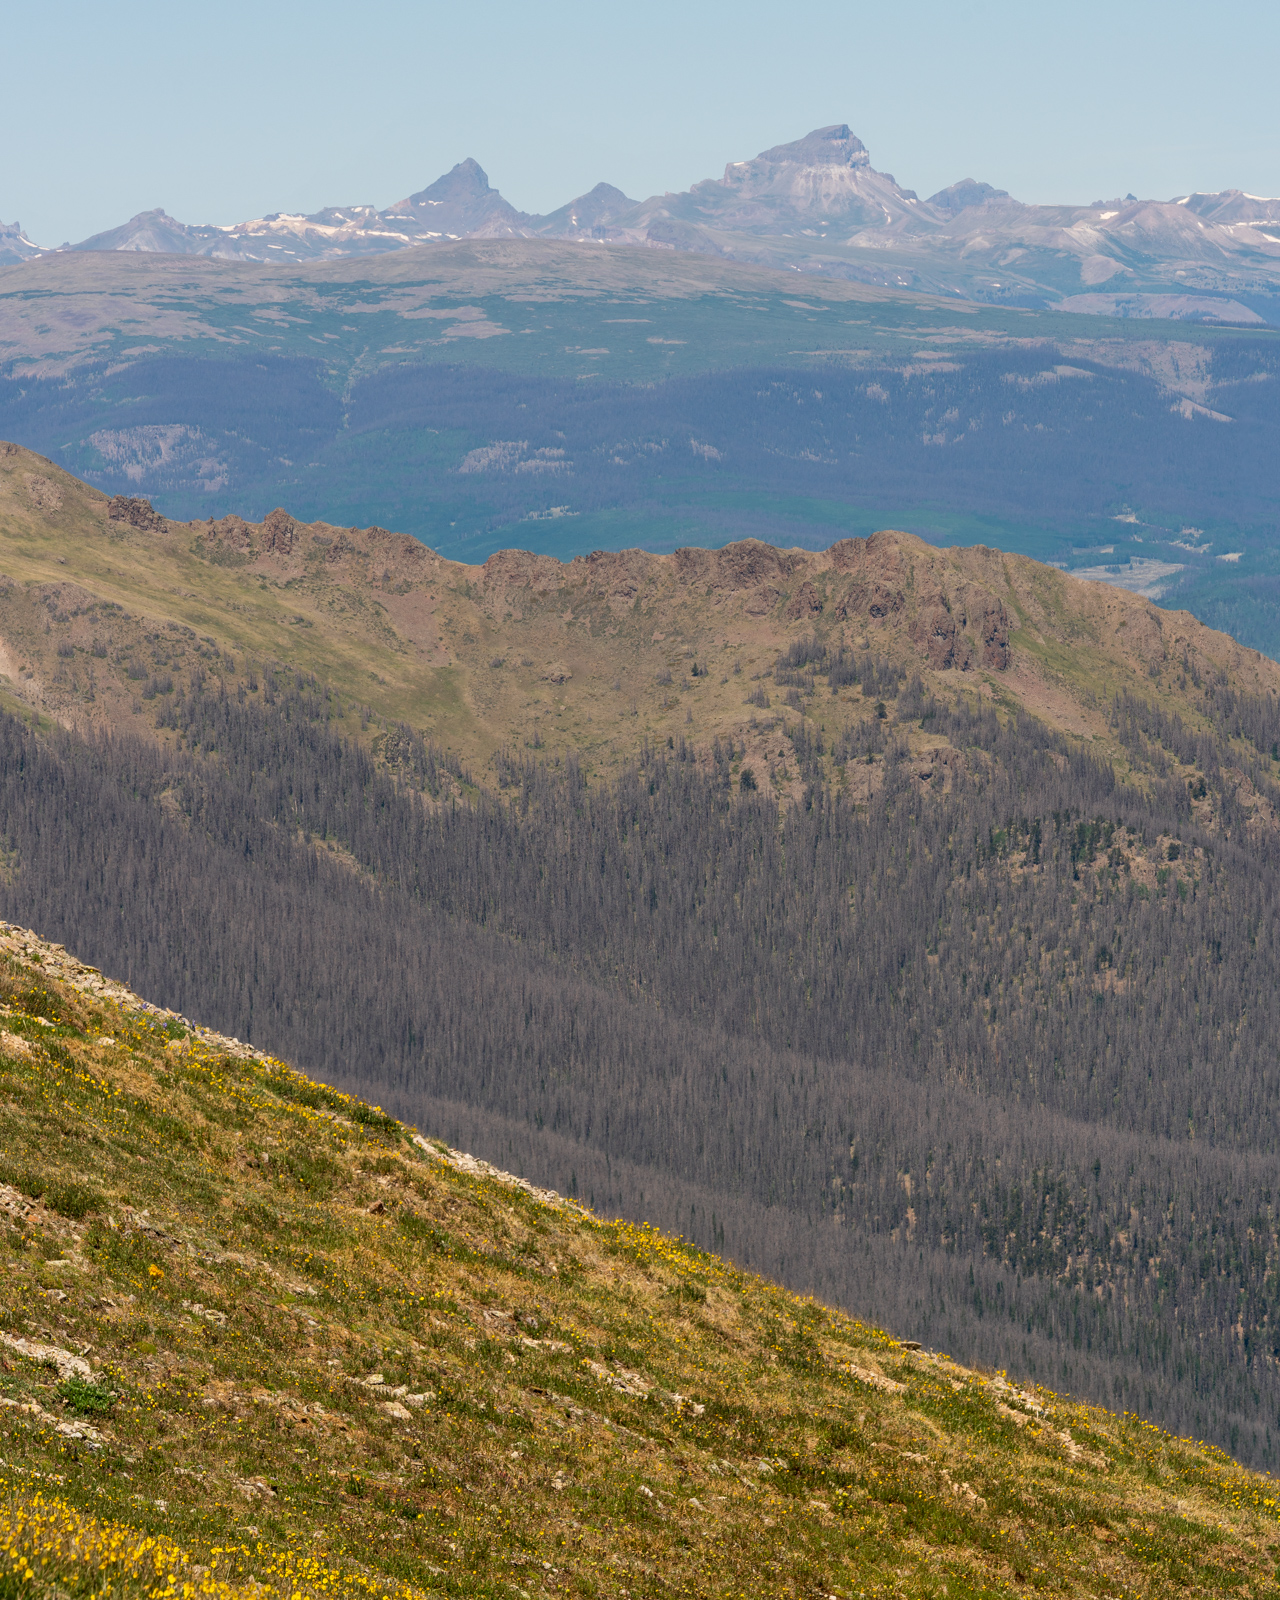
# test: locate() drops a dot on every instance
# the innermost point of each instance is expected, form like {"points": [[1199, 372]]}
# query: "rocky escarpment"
{"points": [[883, 582], [108, 611], [959, 633], [860, 582], [280, 541]]}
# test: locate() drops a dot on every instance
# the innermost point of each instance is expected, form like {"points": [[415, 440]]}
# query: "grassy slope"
{"points": [[479, 665], [325, 1356]]}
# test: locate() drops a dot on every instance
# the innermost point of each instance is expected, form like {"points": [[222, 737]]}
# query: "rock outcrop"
{"points": [[804, 604], [939, 632], [136, 513], [857, 581], [278, 531], [43, 493], [232, 533], [995, 635]]}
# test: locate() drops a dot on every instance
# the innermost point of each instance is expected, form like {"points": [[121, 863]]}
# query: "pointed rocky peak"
{"points": [[468, 181], [460, 203], [960, 196]]}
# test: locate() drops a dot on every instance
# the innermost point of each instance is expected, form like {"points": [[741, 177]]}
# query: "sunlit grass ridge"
{"points": [[260, 1338]]}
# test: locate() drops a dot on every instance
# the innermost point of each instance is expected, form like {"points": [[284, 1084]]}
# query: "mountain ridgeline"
{"points": [[982, 1050], [815, 205], [900, 921]]}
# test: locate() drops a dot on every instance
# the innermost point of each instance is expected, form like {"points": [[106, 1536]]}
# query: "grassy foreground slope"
{"points": [[258, 1338]]}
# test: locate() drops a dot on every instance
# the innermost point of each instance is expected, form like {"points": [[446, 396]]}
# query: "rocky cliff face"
{"points": [[14, 244], [826, 174]]}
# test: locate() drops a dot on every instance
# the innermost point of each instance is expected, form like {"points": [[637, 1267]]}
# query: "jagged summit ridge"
{"points": [[816, 205]]}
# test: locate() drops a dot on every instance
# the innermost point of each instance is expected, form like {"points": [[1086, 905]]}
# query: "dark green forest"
{"points": [[989, 1059]]}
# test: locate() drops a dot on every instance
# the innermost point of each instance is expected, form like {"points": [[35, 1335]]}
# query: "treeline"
{"points": [[991, 1062]]}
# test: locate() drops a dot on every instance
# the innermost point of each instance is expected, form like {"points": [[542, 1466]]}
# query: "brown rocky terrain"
{"points": [[106, 607]]}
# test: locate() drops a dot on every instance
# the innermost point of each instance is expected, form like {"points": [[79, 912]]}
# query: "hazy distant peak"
{"points": [[460, 203], [824, 178], [590, 212], [1232, 206], [153, 217], [153, 231], [607, 193], [466, 180], [836, 146], [14, 244], [812, 204], [957, 197], [603, 201]]}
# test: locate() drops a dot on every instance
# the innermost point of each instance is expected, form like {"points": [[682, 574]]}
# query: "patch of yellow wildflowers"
{"points": [[45, 1541]]}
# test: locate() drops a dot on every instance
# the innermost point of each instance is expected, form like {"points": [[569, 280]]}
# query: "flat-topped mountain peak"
{"points": [[836, 145]]}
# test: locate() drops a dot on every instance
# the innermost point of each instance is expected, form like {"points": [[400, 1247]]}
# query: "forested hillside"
{"points": [[985, 1054]]}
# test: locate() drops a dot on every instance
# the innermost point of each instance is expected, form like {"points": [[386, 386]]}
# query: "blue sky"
{"points": [[222, 112]]}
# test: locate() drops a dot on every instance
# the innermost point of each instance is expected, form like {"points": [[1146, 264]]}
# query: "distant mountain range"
{"points": [[817, 206]]}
